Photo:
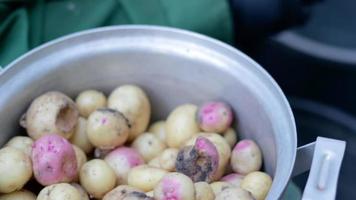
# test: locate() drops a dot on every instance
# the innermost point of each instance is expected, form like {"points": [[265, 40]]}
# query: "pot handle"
{"points": [[323, 157]]}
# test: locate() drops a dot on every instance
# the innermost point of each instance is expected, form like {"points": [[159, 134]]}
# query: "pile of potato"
{"points": [[103, 148]]}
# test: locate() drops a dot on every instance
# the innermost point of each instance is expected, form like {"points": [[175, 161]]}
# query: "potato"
{"points": [[145, 177], [80, 137], [231, 137], [246, 157], [97, 178], [158, 129], [107, 128], [203, 191], [59, 191], [221, 145], [148, 145], [22, 143], [81, 159], [167, 159], [175, 186], [181, 125], [125, 192], [51, 113], [150, 193], [234, 178], [215, 116], [122, 160], [90, 100], [18, 195], [199, 162], [54, 160], [258, 183], [220, 186], [133, 103], [234, 193], [15, 169], [155, 162], [82, 192]]}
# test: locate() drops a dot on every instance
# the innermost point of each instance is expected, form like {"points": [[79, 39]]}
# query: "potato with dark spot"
{"points": [[134, 104], [18, 195], [246, 157], [125, 192], [107, 128], [234, 193], [90, 100], [59, 191], [22, 143], [80, 136], [51, 113], [148, 145], [199, 162]]}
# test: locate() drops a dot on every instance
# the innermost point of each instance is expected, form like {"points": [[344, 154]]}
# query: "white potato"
{"points": [[203, 191], [126, 192], [80, 137], [234, 193], [246, 157], [145, 177], [22, 143], [81, 159], [148, 146], [230, 137], [18, 195], [158, 129], [59, 191], [258, 183], [220, 186], [90, 100]]}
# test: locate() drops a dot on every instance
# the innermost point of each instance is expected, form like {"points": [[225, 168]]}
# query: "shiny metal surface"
{"points": [[174, 67], [304, 159]]}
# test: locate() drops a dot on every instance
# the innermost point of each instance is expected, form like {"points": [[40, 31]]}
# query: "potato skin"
{"points": [[122, 160], [51, 113], [234, 193], [258, 183], [59, 191], [89, 100], [145, 177], [175, 186], [126, 192], [246, 157], [181, 125], [134, 104], [231, 137], [80, 137], [18, 195], [203, 191], [15, 169], [158, 129], [214, 116], [107, 128], [82, 192], [220, 186], [97, 178], [233, 178], [22, 143], [54, 160], [148, 145], [81, 158]]}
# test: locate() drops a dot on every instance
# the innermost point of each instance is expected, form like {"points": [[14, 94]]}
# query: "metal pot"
{"points": [[174, 67]]}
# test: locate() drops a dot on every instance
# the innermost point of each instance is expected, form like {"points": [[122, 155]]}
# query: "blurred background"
{"points": [[308, 46]]}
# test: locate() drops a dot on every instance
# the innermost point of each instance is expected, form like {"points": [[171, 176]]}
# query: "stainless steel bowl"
{"points": [[174, 67]]}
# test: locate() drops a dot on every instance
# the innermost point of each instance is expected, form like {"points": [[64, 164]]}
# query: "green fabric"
{"points": [[28, 24]]}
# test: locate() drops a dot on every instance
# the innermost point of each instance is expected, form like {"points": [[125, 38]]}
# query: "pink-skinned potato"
{"points": [[54, 160], [214, 116], [246, 157], [233, 178], [175, 186]]}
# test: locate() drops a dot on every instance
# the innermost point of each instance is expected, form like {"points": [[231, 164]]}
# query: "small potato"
{"points": [[258, 183], [81, 159], [59, 191], [126, 192], [158, 129], [155, 162], [203, 191], [122, 160], [133, 103], [82, 192], [181, 125], [234, 178], [22, 143], [107, 128], [18, 195], [51, 113], [97, 178], [234, 193], [148, 145], [221, 145], [220, 186], [230, 137], [215, 116], [54, 160], [80, 137], [167, 159], [90, 100], [15, 169], [175, 186], [246, 157], [144, 177]]}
